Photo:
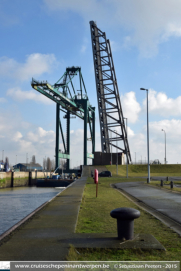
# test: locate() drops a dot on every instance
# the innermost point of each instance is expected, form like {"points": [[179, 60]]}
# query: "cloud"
{"points": [[17, 136], [131, 107], [41, 136], [20, 96], [149, 22], [138, 141], [3, 100], [84, 46], [160, 104], [35, 65], [114, 46]]}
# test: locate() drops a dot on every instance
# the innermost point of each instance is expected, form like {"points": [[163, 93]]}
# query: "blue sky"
{"points": [[41, 38]]}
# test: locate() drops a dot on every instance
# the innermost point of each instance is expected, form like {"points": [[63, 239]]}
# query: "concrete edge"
{"points": [[80, 205], [14, 227], [169, 222]]}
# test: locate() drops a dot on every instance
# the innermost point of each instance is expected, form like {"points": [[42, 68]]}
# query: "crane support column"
{"points": [[85, 131], [93, 132], [57, 135], [68, 139]]}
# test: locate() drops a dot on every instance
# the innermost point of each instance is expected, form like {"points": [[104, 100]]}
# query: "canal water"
{"points": [[18, 202]]}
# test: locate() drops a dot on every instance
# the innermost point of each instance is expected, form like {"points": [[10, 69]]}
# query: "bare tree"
{"points": [[53, 164], [44, 164], [33, 159], [48, 163]]}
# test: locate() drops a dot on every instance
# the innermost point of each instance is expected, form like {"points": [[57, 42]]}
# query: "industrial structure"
{"points": [[112, 125], [27, 167], [73, 102]]}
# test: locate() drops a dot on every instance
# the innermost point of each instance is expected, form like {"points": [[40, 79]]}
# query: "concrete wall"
{"points": [[105, 158], [20, 178]]}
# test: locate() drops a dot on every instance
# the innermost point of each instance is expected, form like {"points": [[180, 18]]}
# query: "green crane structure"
{"points": [[71, 102]]}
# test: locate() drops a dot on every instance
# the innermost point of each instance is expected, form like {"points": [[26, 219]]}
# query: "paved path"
{"points": [[42, 237], [165, 202]]}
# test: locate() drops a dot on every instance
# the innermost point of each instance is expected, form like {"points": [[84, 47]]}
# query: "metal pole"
{"points": [[165, 147], [117, 156], [135, 158], [148, 141], [85, 132], [147, 137], [111, 150], [126, 149], [57, 136], [165, 150]]}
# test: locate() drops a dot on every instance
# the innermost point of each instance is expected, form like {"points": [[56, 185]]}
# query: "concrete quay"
{"points": [[46, 236], [40, 237]]}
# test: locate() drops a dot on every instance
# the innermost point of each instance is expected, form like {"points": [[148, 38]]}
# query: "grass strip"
{"points": [[142, 170], [94, 217], [166, 185]]}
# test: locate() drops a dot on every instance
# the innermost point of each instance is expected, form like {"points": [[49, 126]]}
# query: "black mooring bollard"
{"points": [[171, 184], [125, 221], [161, 183]]}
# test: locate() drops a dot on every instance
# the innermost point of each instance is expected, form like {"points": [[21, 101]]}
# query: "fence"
{"points": [[15, 179]]}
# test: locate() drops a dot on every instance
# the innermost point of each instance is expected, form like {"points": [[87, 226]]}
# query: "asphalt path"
{"points": [[165, 202]]}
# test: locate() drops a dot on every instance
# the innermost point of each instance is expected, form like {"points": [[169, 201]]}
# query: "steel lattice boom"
{"points": [[71, 101], [112, 125]]}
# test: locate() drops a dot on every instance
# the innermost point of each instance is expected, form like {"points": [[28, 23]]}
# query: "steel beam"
{"points": [[105, 76], [57, 136]]}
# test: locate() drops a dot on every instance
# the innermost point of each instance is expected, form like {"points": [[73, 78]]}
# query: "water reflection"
{"points": [[18, 202]]}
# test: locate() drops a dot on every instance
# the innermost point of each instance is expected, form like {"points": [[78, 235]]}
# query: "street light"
{"points": [[126, 148], [165, 147], [117, 153], [135, 158], [111, 150], [148, 180]]}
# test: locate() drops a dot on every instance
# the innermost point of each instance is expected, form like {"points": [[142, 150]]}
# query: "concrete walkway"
{"points": [[162, 202], [42, 237]]}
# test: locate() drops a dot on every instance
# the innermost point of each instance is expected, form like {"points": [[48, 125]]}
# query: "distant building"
{"points": [[28, 167], [1, 166], [105, 158]]}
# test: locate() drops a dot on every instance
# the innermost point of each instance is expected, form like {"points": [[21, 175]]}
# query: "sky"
{"points": [[40, 39]]}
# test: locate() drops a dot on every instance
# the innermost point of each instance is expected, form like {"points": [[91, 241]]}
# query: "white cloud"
{"points": [[3, 100], [19, 95], [41, 136], [114, 46], [131, 107], [17, 136], [149, 22], [84, 46], [138, 142], [35, 65], [161, 105]]}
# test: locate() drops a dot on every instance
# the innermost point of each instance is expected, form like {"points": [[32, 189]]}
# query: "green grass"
{"points": [[142, 170], [166, 185], [94, 217]]}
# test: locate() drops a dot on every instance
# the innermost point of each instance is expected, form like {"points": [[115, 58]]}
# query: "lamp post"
{"points": [[148, 180], [165, 147], [111, 150], [117, 153], [135, 158], [126, 148]]}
